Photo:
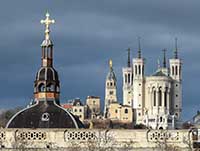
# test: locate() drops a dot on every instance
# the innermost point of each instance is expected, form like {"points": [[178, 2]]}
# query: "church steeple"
{"points": [[47, 45], [47, 85]]}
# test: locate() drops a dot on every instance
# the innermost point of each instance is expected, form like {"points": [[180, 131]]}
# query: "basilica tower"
{"points": [[176, 75], [128, 82], [138, 85], [110, 89]]}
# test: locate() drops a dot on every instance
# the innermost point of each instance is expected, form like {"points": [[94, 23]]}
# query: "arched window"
{"points": [[125, 78], [139, 69], [126, 111], [165, 97], [143, 70], [135, 70], [176, 70], [180, 70], [172, 70], [154, 97], [160, 97], [129, 78], [161, 119], [50, 88], [41, 87]]}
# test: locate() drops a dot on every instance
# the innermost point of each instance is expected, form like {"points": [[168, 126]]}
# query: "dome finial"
{"points": [[47, 23]]}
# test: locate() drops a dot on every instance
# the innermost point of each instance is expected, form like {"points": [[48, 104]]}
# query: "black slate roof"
{"points": [[44, 114]]}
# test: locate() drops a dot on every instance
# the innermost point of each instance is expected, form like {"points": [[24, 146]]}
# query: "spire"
{"points": [[139, 48], [129, 58], [164, 58], [47, 22], [176, 49]]}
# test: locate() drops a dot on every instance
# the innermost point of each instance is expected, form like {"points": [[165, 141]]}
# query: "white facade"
{"points": [[156, 99]]}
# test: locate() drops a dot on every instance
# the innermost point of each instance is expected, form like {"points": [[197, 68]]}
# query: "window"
{"points": [[135, 70], [161, 119], [125, 78], [80, 110], [176, 70], [143, 70], [160, 97], [165, 97], [154, 97], [116, 111], [111, 83], [172, 70], [75, 110], [139, 69], [126, 111], [176, 95], [129, 78], [111, 92], [41, 87]]}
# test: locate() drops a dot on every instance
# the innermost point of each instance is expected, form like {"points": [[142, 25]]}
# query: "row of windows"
{"points": [[111, 84], [176, 70], [128, 78], [160, 97], [48, 88], [75, 110], [139, 69], [125, 111]]}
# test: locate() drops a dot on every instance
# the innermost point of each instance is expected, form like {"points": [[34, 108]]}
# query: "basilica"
{"points": [[154, 100]]}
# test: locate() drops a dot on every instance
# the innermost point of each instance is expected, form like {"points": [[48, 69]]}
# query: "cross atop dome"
{"points": [[47, 23]]}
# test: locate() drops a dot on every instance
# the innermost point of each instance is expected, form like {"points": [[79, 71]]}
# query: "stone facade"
{"points": [[95, 139], [121, 113], [93, 104]]}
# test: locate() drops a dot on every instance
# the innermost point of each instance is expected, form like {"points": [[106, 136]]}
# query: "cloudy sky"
{"points": [[89, 32]]}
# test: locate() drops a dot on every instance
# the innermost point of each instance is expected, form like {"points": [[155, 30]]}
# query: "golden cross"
{"points": [[47, 22]]}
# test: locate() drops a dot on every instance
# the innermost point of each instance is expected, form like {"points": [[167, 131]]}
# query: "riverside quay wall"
{"points": [[96, 139]]}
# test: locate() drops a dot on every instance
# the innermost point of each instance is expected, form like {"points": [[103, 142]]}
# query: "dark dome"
{"points": [[47, 73], [44, 114]]}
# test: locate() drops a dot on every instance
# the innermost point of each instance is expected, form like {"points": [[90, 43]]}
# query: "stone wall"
{"points": [[94, 139]]}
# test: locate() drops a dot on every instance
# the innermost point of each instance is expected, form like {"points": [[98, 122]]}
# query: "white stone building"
{"points": [[156, 99]]}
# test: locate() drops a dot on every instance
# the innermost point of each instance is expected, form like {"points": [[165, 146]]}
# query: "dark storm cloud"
{"points": [[86, 34]]}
